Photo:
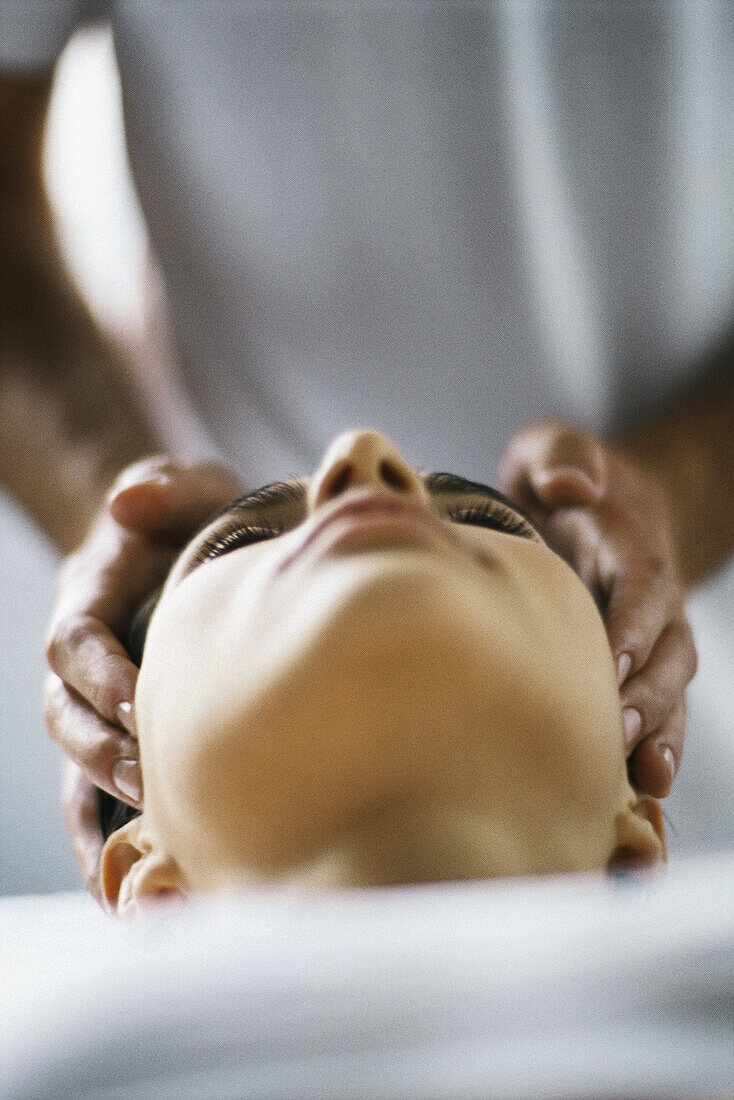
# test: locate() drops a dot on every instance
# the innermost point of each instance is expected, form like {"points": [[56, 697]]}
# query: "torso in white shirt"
{"points": [[439, 218]]}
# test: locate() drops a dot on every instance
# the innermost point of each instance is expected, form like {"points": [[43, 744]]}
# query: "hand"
{"points": [[153, 509], [611, 524]]}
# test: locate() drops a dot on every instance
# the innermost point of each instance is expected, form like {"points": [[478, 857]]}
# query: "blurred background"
{"points": [[103, 237]]}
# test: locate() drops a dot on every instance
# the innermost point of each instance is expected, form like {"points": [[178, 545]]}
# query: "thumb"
{"points": [[554, 465], [168, 499]]}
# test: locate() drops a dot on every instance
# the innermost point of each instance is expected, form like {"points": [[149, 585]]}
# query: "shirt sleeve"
{"points": [[34, 32]]}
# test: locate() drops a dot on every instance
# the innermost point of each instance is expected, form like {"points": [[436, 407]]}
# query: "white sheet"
{"points": [[558, 987]]}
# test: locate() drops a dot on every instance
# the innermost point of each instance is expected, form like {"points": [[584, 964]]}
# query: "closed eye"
{"points": [[279, 507], [232, 537], [258, 516], [463, 501], [495, 515]]}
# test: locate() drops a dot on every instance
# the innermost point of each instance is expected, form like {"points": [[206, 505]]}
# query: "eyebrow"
{"points": [[294, 492], [452, 483], [277, 492], [269, 496]]}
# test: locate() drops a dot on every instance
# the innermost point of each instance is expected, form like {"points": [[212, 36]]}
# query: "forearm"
{"points": [[70, 417], [689, 450]]}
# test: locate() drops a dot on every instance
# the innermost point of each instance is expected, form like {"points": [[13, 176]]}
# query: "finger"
{"points": [[574, 534], [656, 689], [172, 500], [643, 598], [655, 762], [108, 578], [87, 656], [81, 811], [554, 465], [108, 757]]}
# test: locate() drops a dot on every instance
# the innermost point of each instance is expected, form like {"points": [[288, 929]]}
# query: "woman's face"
{"points": [[374, 675]]}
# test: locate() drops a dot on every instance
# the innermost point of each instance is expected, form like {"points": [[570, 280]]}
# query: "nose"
{"points": [[364, 459]]}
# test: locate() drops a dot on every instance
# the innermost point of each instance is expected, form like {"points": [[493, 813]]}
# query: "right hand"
{"points": [[150, 514]]}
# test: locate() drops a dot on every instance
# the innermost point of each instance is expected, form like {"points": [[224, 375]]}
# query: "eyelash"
{"points": [[491, 514], [232, 537]]}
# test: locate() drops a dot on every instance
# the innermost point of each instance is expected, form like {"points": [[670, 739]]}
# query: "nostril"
{"points": [[339, 481], [393, 476]]}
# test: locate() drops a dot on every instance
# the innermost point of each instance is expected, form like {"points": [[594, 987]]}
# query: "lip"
{"points": [[367, 511]]}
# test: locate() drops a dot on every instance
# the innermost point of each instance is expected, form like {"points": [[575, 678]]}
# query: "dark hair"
{"points": [[113, 813]]}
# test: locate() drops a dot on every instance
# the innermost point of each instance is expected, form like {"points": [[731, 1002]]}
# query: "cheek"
{"points": [[202, 636], [492, 545], [550, 628]]}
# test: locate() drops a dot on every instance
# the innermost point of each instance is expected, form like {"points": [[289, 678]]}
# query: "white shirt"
{"points": [[437, 217]]}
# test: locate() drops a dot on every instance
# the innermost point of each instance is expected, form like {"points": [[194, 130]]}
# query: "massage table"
{"points": [[563, 986]]}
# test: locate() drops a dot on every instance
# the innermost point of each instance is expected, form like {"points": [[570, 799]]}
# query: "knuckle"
{"points": [[106, 756], [50, 649], [100, 759], [647, 573], [675, 728], [107, 698], [568, 439], [636, 617], [571, 446], [519, 439], [627, 636], [688, 645], [649, 701], [510, 476], [676, 591], [628, 632], [102, 684], [53, 689], [51, 712], [70, 634], [523, 445], [653, 567], [55, 644]]}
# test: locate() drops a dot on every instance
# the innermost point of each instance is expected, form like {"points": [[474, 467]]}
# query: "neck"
{"points": [[429, 843]]}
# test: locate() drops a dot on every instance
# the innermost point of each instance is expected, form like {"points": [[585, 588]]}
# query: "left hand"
{"points": [[611, 524]]}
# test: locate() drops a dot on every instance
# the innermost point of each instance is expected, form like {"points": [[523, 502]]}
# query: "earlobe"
{"points": [[648, 809], [640, 836], [132, 871]]}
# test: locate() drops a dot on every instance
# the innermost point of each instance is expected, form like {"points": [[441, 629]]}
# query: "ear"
{"points": [[640, 836], [133, 870]]}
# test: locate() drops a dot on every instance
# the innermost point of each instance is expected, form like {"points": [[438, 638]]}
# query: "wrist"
{"points": [[685, 465]]}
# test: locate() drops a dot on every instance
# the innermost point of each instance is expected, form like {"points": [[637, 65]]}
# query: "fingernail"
{"points": [[126, 717], [155, 479], [126, 774], [632, 722], [577, 479], [151, 479], [667, 754], [623, 666]]}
